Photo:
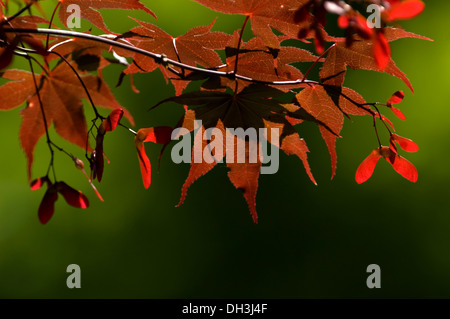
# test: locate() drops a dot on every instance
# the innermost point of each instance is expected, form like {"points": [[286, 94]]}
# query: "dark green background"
{"points": [[311, 242]]}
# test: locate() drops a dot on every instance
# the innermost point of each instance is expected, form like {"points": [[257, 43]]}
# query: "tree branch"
{"points": [[159, 58]]}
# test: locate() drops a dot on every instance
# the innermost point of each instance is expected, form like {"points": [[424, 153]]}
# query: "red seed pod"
{"points": [[366, 168], [47, 206], [400, 165], [405, 143], [72, 196], [396, 98], [37, 183], [160, 135], [113, 119]]}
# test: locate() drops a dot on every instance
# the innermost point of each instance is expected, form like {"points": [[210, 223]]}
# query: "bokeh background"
{"points": [[311, 242]]}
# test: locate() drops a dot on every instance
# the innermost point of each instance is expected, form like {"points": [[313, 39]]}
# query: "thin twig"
{"points": [[318, 59], [50, 24], [376, 130], [240, 43], [41, 105]]}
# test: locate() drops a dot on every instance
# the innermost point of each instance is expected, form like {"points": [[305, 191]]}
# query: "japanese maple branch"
{"points": [[159, 58], [162, 59]]}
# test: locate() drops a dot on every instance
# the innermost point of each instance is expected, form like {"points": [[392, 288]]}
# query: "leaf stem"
{"points": [[61, 150], [236, 62], [318, 59], [128, 128], [240, 43], [376, 130], [381, 119], [50, 24]]}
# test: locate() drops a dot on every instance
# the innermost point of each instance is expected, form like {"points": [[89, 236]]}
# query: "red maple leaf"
{"points": [[327, 107], [360, 56], [258, 62], [405, 143], [253, 107], [264, 14], [61, 93], [400, 164], [393, 10], [403, 10], [396, 98], [196, 47]]}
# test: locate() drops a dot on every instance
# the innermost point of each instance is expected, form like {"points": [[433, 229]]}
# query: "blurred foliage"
{"points": [[311, 242]]}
